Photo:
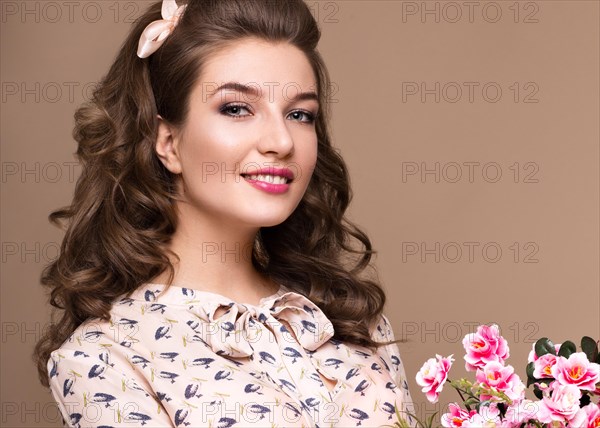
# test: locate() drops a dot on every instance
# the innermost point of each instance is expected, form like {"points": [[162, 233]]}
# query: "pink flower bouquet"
{"points": [[566, 383]]}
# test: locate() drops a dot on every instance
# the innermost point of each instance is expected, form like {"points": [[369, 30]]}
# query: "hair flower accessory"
{"points": [[156, 32]]}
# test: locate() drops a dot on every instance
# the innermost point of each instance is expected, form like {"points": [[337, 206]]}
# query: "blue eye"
{"points": [[310, 118], [232, 108]]}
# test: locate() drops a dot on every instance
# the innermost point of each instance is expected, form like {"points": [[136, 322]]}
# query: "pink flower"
{"points": [[576, 370], [532, 355], [520, 412], [484, 346], [456, 417], [501, 378], [592, 413], [432, 376], [488, 416], [579, 420], [561, 406], [542, 366]]}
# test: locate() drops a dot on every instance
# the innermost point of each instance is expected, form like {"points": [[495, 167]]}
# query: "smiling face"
{"points": [[253, 107]]}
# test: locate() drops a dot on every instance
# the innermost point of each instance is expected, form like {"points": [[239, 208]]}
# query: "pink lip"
{"points": [[270, 187]]}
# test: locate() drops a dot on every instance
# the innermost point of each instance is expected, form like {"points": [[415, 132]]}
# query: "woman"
{"points": [[206, 275]]}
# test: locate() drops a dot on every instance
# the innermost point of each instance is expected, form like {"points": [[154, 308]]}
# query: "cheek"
{"points": [[207, 149], [305, 154]]}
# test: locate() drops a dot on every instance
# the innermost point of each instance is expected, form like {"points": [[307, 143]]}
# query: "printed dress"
{"points": [[193, 358]]}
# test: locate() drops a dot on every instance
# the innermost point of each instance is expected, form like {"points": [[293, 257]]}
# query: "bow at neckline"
{"points": [[237, 328], [241, 326]]}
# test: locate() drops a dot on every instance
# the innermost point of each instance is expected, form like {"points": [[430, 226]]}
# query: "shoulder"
{"points": [[96, 334], [382, 330], [86, 366], [93, 355], [94, 383], [88, 337], [96, 353], [390, 352]]}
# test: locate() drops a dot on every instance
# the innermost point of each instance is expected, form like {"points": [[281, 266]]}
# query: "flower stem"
{"points": [[463, 399], [460, 393]]}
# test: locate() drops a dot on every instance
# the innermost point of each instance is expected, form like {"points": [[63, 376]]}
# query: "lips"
{"points": [[269, 175], [270, 180]]}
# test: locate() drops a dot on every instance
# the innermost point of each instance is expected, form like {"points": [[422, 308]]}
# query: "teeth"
{"points": [[274, 179]]}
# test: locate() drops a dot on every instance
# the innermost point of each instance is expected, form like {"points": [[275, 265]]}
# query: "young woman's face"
{"points": [[230, 135]]}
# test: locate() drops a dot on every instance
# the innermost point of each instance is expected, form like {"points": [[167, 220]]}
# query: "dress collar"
{"points": [[309, 324]]}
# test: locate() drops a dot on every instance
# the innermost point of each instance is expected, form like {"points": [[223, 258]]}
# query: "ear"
{"points": [[167, 146]]}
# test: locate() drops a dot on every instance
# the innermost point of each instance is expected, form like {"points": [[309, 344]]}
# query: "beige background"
{"points": [[541, 134]]}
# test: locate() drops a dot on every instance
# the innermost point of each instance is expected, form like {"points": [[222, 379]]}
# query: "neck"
{"points": [[216, 257]]}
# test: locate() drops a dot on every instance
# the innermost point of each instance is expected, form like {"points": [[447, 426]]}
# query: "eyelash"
{"points": [[310, 117]]}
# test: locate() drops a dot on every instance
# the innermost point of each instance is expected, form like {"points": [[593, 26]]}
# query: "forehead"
{"points": [[265, 65]]}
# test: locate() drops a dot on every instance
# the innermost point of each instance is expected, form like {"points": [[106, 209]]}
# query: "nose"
{"points": [[276, 137]]}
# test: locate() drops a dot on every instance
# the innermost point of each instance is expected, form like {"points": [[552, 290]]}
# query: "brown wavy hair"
{"points": [[123, 214]]}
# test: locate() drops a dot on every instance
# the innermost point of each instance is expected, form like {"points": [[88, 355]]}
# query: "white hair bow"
{"points": [[156, 32]]}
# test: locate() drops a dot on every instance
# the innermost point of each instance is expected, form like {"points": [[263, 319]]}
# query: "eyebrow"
{"points": [[253, 91]]}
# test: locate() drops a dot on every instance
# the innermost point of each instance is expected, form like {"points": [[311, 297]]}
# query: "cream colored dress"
{"points": [[192, 358]]}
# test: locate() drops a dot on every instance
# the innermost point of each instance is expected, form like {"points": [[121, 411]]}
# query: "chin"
{"points": [[272, 222], [268, 220]]}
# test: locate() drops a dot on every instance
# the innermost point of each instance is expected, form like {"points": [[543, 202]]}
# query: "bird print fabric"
{"points": [[179, 357]]}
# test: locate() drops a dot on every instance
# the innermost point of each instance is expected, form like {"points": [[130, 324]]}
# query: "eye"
{"points": [[309, 117], [233, 110]]}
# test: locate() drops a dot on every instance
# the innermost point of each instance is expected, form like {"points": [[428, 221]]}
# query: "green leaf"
{"points": [[544, 346], [590, 347], [471, 403], [402, 422], [529, 370], [430, 420], [566, 349]]}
